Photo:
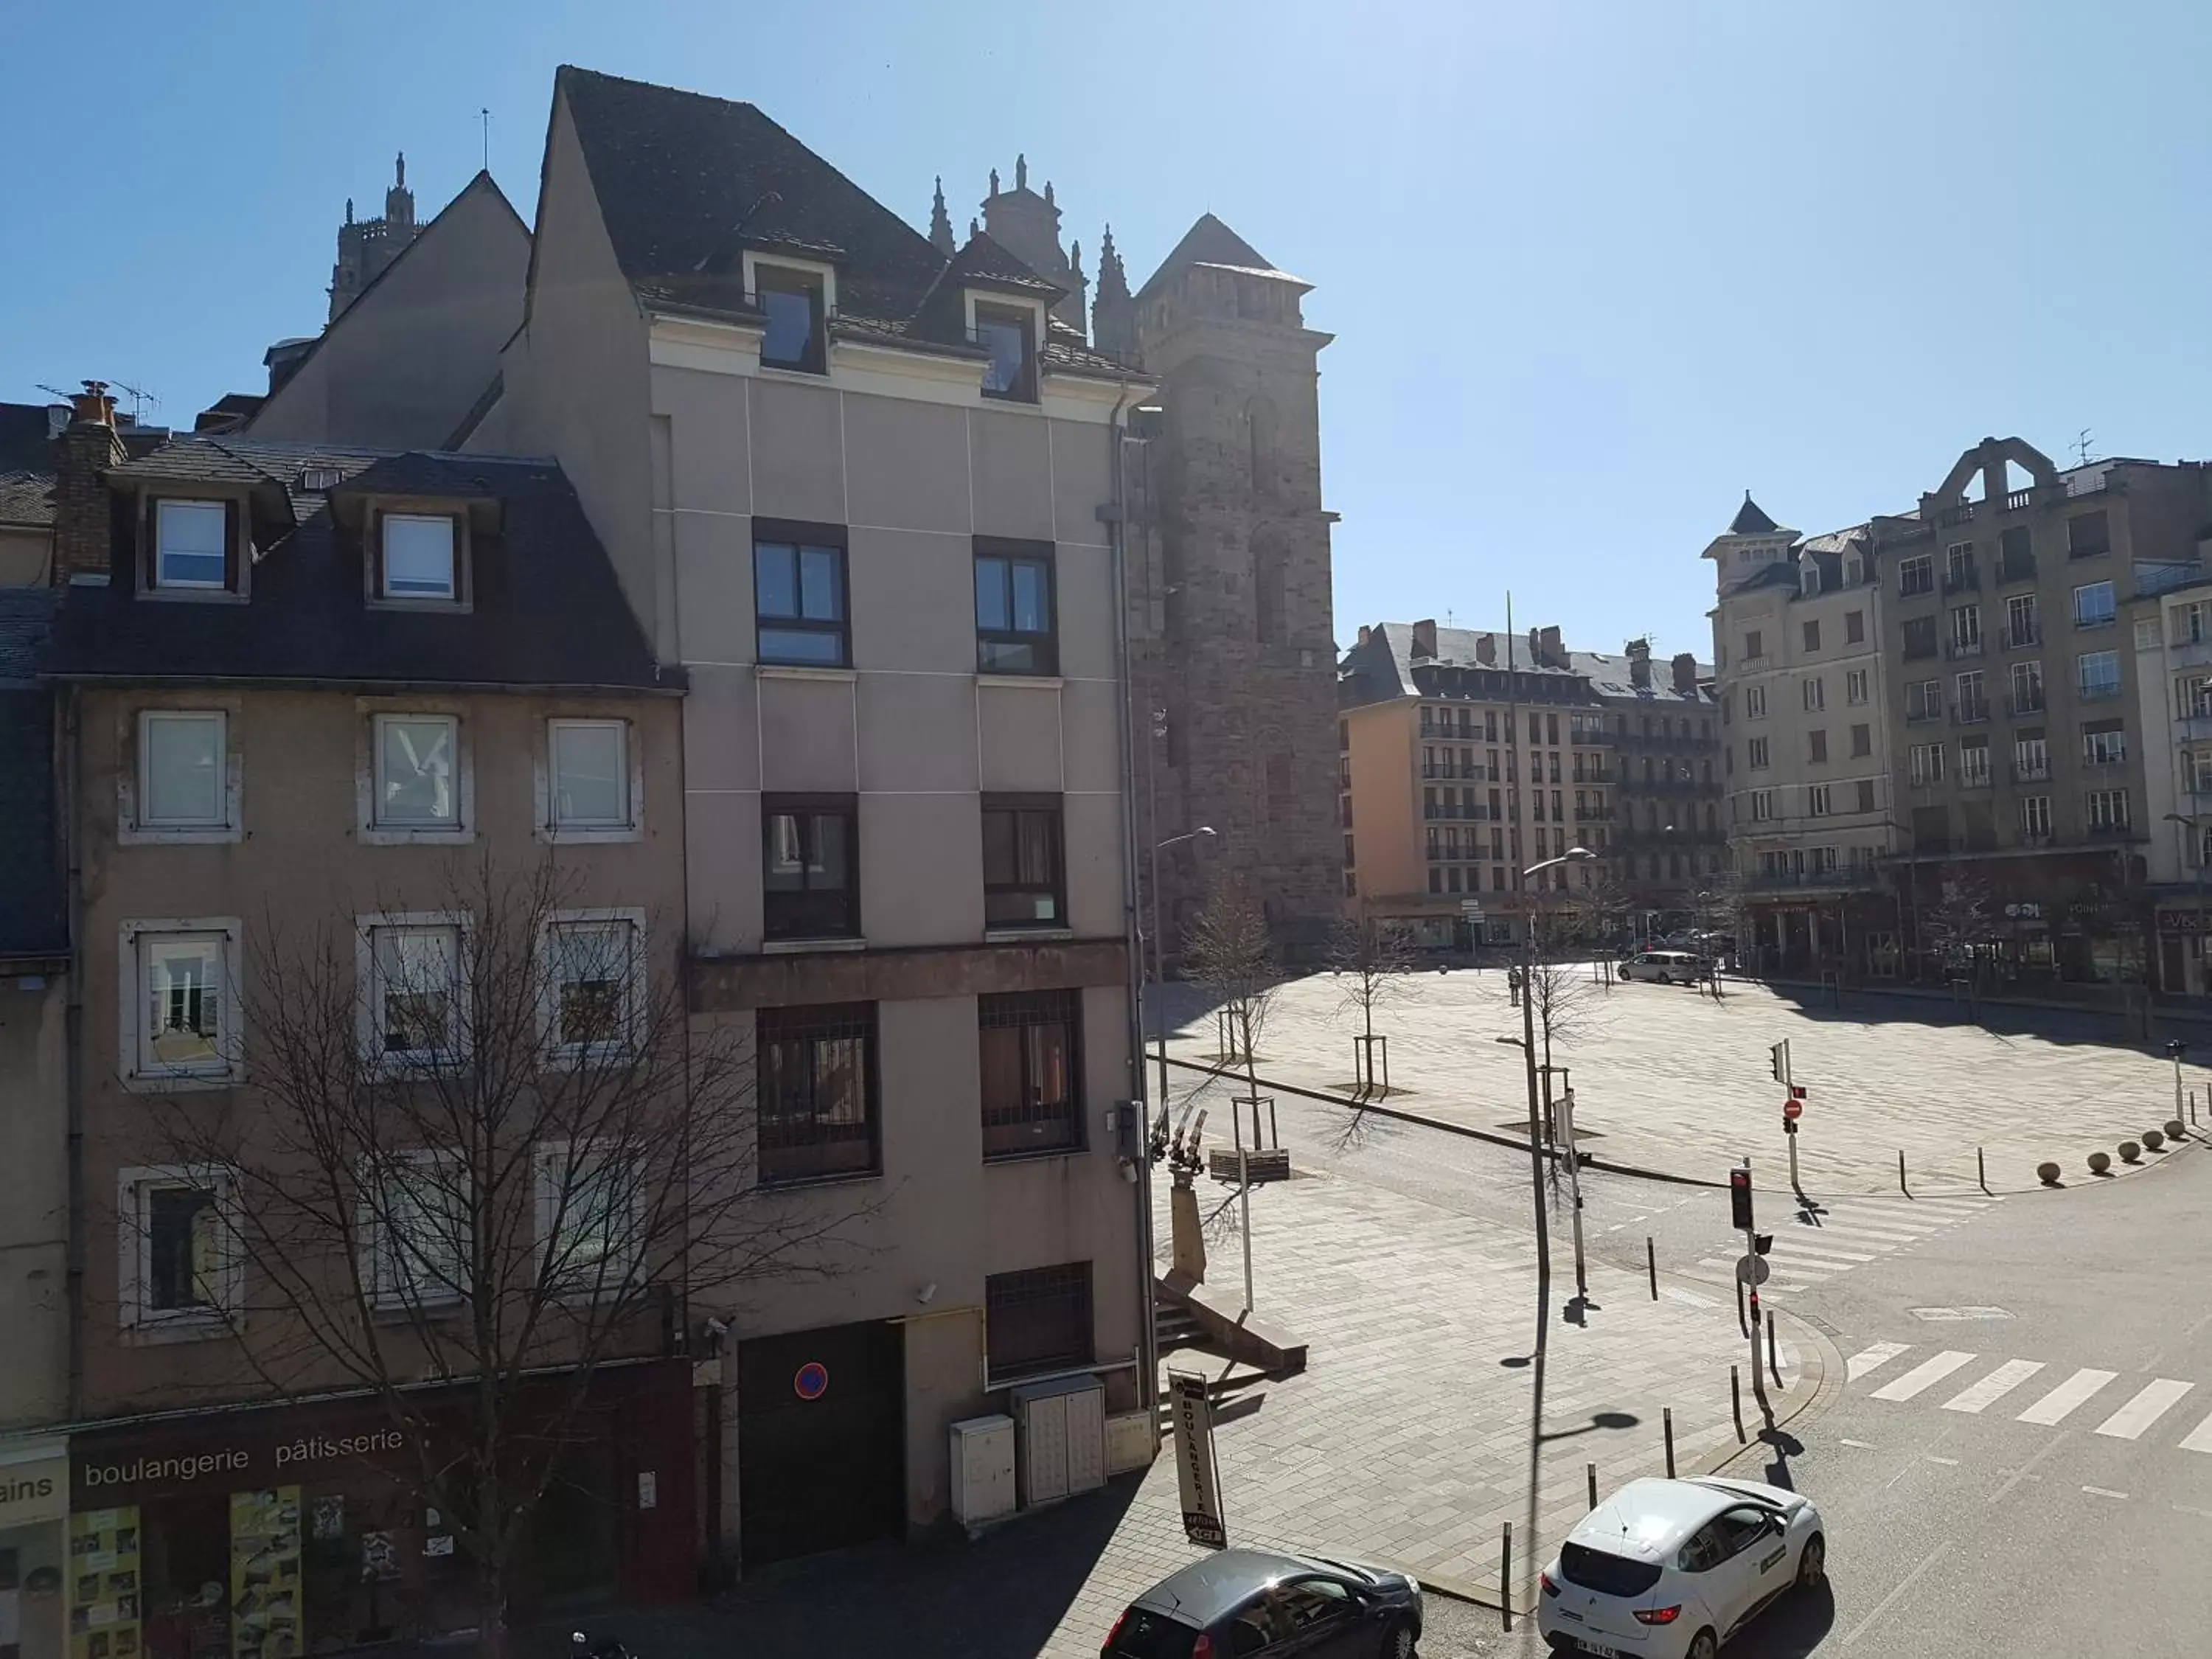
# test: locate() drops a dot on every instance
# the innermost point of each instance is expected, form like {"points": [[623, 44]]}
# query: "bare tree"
{"points": [[1718, 908], [1565, 1008], [1230, 955], [1373, 958], [1605, 905], [1961, 919], [481, 1146]]}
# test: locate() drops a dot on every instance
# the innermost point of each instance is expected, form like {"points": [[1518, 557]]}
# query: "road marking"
{"points": [[2145, 1409], [2104, 1491], [1902, 1585], [1880, 1354], [1994, 1387], [2054, 1405], [2200, 1438], [1676, 1293], [2186, 1509], [1947, 1462], [2022, 1473], [1957, 1313], [1925, 1375], [1862, 1444]]}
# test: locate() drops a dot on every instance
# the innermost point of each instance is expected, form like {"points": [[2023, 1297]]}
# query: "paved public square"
{"points": [[1669, 1080]]}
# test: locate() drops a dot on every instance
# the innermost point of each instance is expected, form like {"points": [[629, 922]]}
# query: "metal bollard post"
{"points": [[1901, 1187], [1773, 1353], [1505, 1579], [1736, 1404], [1652, 1265], [1591, 1470], [1981, 1170], [1667, 1416], [1742, 1325]]}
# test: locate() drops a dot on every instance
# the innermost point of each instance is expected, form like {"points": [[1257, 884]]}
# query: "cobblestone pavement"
{"points": [[1666, 1079], [1404, 1441]]}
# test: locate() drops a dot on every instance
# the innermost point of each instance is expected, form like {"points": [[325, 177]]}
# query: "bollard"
{"points": [[1735, 1405], [1667, 1416], [1505, 1579], [1981, 1170], [1591, 1470], [1901, 1187], [1773, 1353], [1652, 1265], [1742, 1325]]}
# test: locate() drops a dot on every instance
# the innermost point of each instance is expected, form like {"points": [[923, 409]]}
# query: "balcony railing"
{"points": [[2018, 499], [1956, 649], [1593, 815], [2021, 570], [1476, 773], [1970, 711], [2031, 771], [1921, 716], [1462, 813], [2024, 702], [2019, 639], [1974, 777], [1966, 578], [1843, 876], [2111, 831], [1961, 513], [2099, 692]]}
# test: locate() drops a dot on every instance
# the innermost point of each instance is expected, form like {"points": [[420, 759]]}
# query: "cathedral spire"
{"points": [[941, 221], [1113, 312]]}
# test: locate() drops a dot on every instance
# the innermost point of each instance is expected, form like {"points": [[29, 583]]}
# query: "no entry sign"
{"points": [[1792, 1110]]}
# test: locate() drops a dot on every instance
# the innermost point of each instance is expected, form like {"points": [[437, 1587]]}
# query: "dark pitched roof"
{"points": [[1210, 242], [546, 609], [26, 616], [32, 917], [26, 464], [1749, 520], [985, 264]]}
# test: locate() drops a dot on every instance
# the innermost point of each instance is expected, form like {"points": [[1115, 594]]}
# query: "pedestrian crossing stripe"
{"points": [[1861, 1232], [2133, 1418]]}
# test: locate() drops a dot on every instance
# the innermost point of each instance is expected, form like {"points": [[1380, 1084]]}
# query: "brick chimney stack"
{"points": [[1554, 651], [1639, 662], [1425, 637], [83, 510], [1686, 673]]}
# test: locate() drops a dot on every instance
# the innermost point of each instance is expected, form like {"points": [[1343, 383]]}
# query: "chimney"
{"points": [[1639, 662], [1686, 673], [1425, 637], [1535, 648], [1486, 650], [1365, 631], [83, 510], [1554, 653]]}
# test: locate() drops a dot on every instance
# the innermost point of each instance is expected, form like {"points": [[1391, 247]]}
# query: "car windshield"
{"points": [[1607, 1573], [1144, 1634]]}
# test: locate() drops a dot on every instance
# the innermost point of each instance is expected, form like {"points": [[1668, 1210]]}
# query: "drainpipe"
{"points": [[1140, 1163], [72, 1062]]}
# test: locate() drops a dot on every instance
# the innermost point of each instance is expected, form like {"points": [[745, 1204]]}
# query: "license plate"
{"points": [[1602, 1652]]}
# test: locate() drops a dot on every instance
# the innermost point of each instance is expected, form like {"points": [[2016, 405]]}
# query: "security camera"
{"points": [[927, 1294]]}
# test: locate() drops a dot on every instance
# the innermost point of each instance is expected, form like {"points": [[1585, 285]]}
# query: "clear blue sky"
{"points": [[1594, 266]]}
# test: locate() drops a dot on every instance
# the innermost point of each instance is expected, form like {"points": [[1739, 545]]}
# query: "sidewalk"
{"points": [[1668, 1081], [1404, 1441]]}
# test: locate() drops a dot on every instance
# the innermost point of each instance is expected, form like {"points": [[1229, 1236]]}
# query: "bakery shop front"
{"points": [[275, 1532]]}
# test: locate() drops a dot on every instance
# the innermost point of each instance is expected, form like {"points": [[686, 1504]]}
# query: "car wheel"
{"points": [[1660, 978], [1703, 1645], [1397, 1640], [1813, 1565]]}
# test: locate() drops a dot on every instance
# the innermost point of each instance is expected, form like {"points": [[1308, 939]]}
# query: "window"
{"points": [[192, 544], [2023, 626], [1816, 801], [1919, 633], [1855, 686], [2031, 757], [1022, 864], [1866, 794], [1816, 746], [1755, 753], [185, 1011], [2191, 623], [818, 1091], [1812, 634], [1958, 565], [414, 1007], [1971, 695], [590, 766], [1966, 629], [1762, 806], [183, 771], [2088, 535], [1032, 1072], [2197, 771], [2098, 675], [2107, 810], [1754, 702], [1974, 762], [1014, 613], [810, 875], [589, 1217], [418, 556], [792, 302], [1915, 576], [1007, 333], [1754, 646], [799, 601], [1927, 763], [2093, 606], [1435, 879], [1037, 1321], [594, 978], [2035, 817], [1924, 700], [2026, 681], [1861, 742], [178, 1264], [417, 765], [417, 1225], [1854, 625], [1815, 695], [2192, 695], [2104, 743]]}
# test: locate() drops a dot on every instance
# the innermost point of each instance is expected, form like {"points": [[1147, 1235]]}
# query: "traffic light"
{"points": [[1762, 1243], [2176, 1047], [1740, 1200], [1778, 1058]]}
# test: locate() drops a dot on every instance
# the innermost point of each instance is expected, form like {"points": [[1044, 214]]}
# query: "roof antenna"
{"points": [[484, 117], [2082, 447], [714, 260]]}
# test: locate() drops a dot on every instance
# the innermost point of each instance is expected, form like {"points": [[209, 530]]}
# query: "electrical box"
{"points": [[982, 1469], [1060, 1438]]}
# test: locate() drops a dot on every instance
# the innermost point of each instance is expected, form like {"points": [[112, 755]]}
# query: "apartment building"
{"points": [[1466, 756], [300, 690], [1665, 846], [866, 493], [2172, 644], [1805, 761], [2017, 727]]}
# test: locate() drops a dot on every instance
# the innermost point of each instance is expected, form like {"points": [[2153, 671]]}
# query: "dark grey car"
{"points": [[1239, 1602]]}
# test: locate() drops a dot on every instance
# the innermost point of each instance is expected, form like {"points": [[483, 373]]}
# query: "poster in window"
{"points": [[104, 1584], [264, 1574]]}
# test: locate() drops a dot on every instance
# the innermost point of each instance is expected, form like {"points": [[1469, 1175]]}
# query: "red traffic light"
{"points": [[1739, 1199]]}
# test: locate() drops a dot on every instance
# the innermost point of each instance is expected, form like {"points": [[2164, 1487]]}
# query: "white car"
{"points": [[1664, 966], [1672, 1569]]}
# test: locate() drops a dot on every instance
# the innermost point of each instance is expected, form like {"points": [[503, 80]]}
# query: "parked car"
{"points": [[1671, 1569], [1665, 967], [1236, 1602]]}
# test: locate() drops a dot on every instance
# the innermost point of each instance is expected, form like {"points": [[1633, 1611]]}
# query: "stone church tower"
{"points": [[1027, 225], [366, 247]]}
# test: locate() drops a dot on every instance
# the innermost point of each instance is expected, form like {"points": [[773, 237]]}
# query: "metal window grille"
{"points": [[1032, 1070], [1038, 1320], [818, 1091]]}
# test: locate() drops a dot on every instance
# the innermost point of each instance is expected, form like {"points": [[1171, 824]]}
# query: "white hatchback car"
{"points": [[1664, 966], [1671, 1569]]}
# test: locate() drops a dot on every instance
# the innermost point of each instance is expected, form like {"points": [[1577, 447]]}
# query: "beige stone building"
{"points": [[865, 494], [2171, 640]]}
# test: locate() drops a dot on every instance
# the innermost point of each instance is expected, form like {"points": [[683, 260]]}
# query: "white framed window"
{"points": [[414, 778], [2197, 769], [594, 977], [1855, 686], [1762, 806], [416, 1226], [591, 1217], [591, 788], [2098, 675], [2095, 605], [2190, 623], [1754, 702], [2107, 808], [180, 1010], [1816, 695], [1816, 800], [1926, 761], [1915, 576], [1755, 753], [2104, 743], [192, 544], [1974, 762], [413, 1013], [421, 557], [2192, 695], [179, 1269], [1966, 628], [183, 781]]}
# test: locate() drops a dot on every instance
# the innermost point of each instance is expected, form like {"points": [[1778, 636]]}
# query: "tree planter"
{"points": [[1370, 1067]]}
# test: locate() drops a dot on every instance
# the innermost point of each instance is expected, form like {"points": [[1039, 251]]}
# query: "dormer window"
{"points": [[1009, 334], [794, 302], [192, 544], [419, 556]]}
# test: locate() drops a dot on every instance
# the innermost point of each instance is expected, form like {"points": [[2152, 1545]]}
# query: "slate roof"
{"points": [[1210, 242], [1613, 676], [27, 465], [546, 610], [26, 616], [32, 915], [1750, 521], [1383, 668]]}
